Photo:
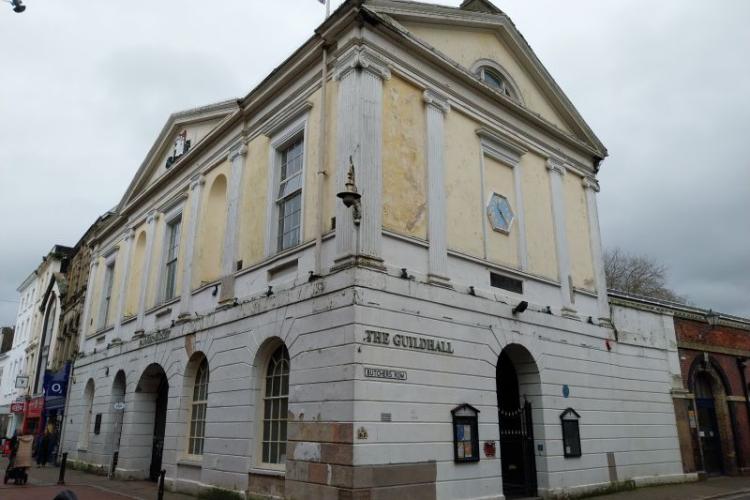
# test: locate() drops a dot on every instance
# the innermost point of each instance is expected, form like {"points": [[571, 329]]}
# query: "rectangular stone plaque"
{"points": [[387, 373]]}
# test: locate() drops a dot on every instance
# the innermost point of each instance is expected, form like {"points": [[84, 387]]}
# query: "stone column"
{"points": [[359, 141], [196, 194], [591, 186], [556, 173], [127, 251], [86, 323], [151, 219], [436, 107]]}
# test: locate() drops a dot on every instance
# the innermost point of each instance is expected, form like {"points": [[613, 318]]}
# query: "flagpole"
{"points": [[328, 8]]}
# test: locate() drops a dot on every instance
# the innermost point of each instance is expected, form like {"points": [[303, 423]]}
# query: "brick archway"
{"points": [[709, 386]]}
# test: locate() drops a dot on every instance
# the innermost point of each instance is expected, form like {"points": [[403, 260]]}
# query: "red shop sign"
{"points": [[17, 407], [35, 407]]}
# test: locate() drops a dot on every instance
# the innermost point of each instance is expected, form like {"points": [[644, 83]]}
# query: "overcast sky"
{"points": [[86, 87]]}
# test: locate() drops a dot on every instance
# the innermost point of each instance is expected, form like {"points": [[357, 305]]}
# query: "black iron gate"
{"points": [[517, 452]]}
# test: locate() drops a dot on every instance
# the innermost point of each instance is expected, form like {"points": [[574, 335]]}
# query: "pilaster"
{"points": [[436, 106], [229, 255], [127, 250], [556, 173], [591, 187], [196, 194], [86, 323], [151, 220], [359, 140]]}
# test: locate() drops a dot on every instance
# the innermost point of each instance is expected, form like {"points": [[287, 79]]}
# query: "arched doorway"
{"points": [[152, 394], [708, 423], [518, 389]]}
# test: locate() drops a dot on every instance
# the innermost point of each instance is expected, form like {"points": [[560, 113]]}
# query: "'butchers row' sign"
{"points": [[413, 342]]}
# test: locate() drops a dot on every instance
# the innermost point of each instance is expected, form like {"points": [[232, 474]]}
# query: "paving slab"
{"points": [[42, 485], [734, 488]]}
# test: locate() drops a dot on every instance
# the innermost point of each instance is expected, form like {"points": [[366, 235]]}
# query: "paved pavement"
{"points": [[725, 488], [42, 485]]}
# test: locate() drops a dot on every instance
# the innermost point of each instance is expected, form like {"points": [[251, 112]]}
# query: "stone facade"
{"points": [[315, 297]]}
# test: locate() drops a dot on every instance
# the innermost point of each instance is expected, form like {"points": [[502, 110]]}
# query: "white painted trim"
{"points": [[169, 218], [556, 172], [151, 220], [436, 106], [236, 158], [128, 242], [591, 187], [110, 261], [509, 153], [196, 188]]}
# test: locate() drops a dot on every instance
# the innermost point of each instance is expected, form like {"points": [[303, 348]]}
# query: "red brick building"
{"points": [[711, 394], [713, 411]]}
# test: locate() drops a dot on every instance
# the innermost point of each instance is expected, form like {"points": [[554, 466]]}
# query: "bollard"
{"points": [[161, 484], [63, 464]]}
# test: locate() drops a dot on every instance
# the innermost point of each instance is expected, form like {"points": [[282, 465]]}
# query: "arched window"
{"points": [[275, 400], [497, 81], [198, 410]]}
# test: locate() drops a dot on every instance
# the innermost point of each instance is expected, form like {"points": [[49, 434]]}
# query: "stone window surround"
{"points": [[494, 66], [170, 216], [110, 262], [295, 127]]}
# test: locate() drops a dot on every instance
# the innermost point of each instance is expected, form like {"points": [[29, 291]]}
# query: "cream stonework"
{"points": [[338, 339]]}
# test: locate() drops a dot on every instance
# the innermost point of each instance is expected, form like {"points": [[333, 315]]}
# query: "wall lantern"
{"points": [[571, 433], [350, 196], [465, 434]]}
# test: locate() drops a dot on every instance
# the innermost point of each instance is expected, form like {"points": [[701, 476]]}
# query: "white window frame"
{"points": [[110, 261], [261, 412], [197, 405], [169, 220], [287, 136], [481, 65]]}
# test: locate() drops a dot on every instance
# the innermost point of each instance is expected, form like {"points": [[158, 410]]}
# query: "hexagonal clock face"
{"points": [[499, 213]]}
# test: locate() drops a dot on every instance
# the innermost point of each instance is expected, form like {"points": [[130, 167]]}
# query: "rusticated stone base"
{"points": [[264, 486], [366, 482]]}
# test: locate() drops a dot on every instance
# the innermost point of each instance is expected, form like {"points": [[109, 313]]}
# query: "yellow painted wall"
{"points": [[210, 240], [252, 219], [540, 230], [136, 272], [463, 186], [498, 178], [404, 165], [467, 46], [577, 227]]}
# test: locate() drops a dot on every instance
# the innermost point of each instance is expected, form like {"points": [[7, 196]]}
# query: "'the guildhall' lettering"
{"points": [[408, 342]]}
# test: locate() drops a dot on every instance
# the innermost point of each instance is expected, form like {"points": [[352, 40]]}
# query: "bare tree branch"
{"points": [[638, 274]]}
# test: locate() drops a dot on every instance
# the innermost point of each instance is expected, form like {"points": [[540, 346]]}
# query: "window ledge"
{"points": [[191, 461], [267, 472]]}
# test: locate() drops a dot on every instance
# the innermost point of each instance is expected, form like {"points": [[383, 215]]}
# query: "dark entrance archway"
{"points": [[715, 438], [152, 395], [517, 379], [708, 426]]}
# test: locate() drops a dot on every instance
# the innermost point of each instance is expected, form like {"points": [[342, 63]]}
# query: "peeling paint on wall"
{"points": [[404, 168]]}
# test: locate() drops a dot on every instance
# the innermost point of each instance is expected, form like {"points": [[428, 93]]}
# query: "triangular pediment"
{"points": [[479, 34], [181, 134]]}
